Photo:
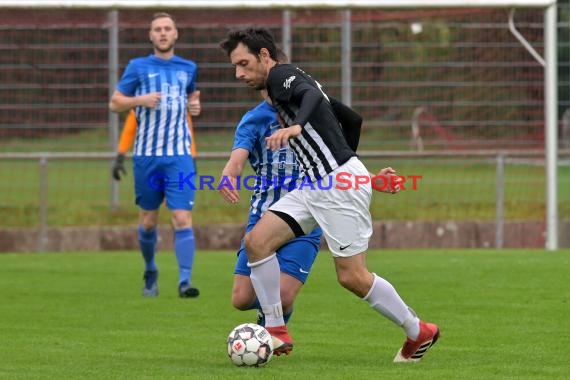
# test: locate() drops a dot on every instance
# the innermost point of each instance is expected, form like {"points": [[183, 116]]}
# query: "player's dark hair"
{"points": [[254, 38]]}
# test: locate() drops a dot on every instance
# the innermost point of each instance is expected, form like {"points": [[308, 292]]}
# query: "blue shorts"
{"points": [[170, 177], [295, 257]]}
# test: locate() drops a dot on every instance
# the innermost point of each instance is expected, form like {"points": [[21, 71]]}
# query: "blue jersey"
{"points": [[162, 131], [277, 171]]}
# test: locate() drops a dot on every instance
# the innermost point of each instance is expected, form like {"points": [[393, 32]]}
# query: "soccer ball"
{"points": [[250, 345]]}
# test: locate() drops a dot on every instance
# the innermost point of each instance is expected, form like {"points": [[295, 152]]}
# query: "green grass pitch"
{"points": [[502, 314]]}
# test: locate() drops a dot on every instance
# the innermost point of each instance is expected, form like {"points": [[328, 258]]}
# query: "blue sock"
{"points": [[184, 248], [255, 305], [287, 316], [147, 243]]}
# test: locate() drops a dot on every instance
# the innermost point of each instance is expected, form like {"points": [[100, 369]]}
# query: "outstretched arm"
{"points": [[234, 167]]}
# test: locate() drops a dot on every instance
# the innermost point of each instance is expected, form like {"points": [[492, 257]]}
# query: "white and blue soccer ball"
{"points": [[250, 345]]}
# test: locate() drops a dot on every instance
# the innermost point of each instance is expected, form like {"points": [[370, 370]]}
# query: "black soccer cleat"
{"points": [[185, 290]]}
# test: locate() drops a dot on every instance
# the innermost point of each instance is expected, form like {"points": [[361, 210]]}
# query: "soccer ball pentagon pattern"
{"points": [[250, 345]]}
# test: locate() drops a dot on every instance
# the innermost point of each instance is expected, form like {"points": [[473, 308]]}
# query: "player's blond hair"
{"points": [[162, 15]]}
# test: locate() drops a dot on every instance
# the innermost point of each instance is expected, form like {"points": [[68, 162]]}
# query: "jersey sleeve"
{"points": [[245, 133], [288, 85], [350, 121], [128, 134], [279, 83], [129, 81], [194, 77]]}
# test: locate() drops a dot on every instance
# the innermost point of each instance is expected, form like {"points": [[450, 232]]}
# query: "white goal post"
{"points": [[278, 3], [549, 58]]}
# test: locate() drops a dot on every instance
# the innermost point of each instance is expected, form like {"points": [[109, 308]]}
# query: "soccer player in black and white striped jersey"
{"points": [[332, 195]]}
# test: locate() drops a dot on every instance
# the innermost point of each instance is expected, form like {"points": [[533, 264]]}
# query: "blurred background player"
{"points": [[161, 88]]}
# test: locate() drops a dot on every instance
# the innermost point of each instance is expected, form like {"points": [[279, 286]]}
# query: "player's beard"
{"points": [[164, 50], [260, 86]]}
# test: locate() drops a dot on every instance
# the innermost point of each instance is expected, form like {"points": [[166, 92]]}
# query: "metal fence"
{"points": [[475, 84], [434, 85]]}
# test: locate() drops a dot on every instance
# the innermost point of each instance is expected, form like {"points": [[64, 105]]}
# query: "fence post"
{"points": [[113, 26], [287, 49], [346, 58], [43, 209], [500, 201]]}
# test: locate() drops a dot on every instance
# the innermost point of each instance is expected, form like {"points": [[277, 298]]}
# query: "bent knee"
{"points": [[241, 301], [254, 247], [240, 304], [181, 219], [148, 222], [243, 295]]}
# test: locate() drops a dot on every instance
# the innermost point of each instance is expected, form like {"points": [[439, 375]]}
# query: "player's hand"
{"points": [[230, 193], [194, 105], [119, 167], [150, 100], [281, 137], [388, 181]]}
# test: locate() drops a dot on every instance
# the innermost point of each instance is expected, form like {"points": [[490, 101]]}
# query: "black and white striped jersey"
{"points": [[299, 99]]}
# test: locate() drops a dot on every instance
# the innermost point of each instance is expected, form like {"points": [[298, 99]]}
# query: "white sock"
{"points": [[383, 298], [266, 280]]}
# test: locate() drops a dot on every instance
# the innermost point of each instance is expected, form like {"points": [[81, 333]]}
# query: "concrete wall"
{"points": [[526, 234]]}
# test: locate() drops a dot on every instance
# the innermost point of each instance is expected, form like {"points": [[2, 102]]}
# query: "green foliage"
{"points": [[81, 316]]}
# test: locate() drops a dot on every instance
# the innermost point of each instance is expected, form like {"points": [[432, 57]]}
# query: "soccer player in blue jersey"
{"points": [[161, 88], [276, 173]]}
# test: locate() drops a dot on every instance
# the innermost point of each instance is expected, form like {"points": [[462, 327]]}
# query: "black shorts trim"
{"points": [[292, 223]]}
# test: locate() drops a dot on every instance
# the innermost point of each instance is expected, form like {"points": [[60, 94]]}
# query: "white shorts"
{"points": [[338, 205]]}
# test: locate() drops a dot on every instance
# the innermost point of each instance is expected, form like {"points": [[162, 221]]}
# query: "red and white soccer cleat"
{"points": [[414, 350], [282, 342]]}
